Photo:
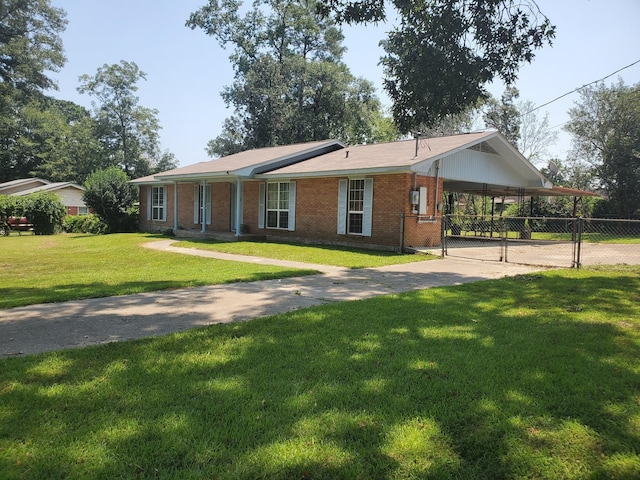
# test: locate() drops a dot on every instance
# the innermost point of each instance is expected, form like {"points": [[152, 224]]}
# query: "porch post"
{"points": [[238, 212], [175, 205], [203, 206]]}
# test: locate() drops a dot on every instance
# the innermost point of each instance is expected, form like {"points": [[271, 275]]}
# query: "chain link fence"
{"points": [[549, 242]]}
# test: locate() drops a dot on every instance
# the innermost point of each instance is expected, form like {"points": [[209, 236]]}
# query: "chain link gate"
{"points": [[549, 242]]}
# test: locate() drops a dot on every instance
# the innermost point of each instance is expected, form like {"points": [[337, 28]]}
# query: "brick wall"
{"points": [[316, 212], [424, 231], [147, 225]]}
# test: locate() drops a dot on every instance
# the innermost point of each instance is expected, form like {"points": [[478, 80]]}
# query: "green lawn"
{"points": [[564, 237], [37, 269], [589, 237], [322, 255], [536, 376]]}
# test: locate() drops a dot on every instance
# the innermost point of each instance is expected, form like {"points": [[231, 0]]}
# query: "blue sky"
{"points": [[186, 70]]}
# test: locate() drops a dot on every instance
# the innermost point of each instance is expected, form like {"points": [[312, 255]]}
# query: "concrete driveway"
{"points": [[47, 327]]}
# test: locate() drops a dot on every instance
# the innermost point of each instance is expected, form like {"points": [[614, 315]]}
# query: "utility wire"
{"points": [[580, 88]]}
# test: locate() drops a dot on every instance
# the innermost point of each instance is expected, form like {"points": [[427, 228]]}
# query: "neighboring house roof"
{"points": [[247, 163], [49, 187], [7, 188]]}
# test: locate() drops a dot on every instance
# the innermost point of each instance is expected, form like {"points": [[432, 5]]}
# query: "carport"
{"points": [[495, 171]]}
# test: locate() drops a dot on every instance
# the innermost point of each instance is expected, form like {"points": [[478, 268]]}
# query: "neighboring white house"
{"points": [[70, 194]]}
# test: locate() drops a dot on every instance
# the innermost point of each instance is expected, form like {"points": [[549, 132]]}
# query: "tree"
{"points": [[163, 162], [535, 133], [504, 115], [110, 195], [30, 46], [30, 43], [605, 125], [290, 82], [128, 131], [47, 137], [444, 51]]}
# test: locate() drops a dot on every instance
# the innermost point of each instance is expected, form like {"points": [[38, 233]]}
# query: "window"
{"points": [[158, 204], [355, 206], [83, 210], [278, 205]]}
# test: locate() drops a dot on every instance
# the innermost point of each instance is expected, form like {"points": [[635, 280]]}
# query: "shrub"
{"points": [[85, 224], [109, 193], [45, 212]]}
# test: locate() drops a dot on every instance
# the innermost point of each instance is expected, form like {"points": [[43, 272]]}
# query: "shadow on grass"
{"points": [[528, 377]]}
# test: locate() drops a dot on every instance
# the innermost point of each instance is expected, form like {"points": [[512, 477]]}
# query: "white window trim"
{"points": [[343, 207], [160, 207], [263, 209]]}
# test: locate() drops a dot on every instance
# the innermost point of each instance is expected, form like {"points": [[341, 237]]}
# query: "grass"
{"points": [[613, 238], [321, 255], [537, 376], [41, 269], [590, 237]]}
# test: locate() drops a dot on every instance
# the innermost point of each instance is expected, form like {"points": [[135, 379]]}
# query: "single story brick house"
{"points": [[383, 196]]}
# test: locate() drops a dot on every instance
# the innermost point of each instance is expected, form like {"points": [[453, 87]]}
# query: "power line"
{"points": [[580, 88]]}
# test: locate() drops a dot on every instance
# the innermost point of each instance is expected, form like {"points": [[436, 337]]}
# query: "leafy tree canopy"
{"points": [[290, 82], [128, 131], [605, 125], [30, 44], [443, 52], [504, 115]]}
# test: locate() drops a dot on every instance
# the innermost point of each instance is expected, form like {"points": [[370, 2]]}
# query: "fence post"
{"points": [[504, 234], [443, 234], [580, 227]]}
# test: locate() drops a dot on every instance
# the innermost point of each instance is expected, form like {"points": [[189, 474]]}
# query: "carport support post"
{"points": [[175, 206], [203, 206], [238, 212]]}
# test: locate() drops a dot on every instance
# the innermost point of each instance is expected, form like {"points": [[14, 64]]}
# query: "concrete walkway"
{"points": [[56, 326]]}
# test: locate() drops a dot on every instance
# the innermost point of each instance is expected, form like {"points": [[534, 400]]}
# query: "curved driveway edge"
{"points": [[56, 326]]}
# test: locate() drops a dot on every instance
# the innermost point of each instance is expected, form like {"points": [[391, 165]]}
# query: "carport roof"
{"points": [[501, 191]]}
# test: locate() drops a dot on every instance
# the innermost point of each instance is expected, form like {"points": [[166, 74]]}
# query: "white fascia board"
{"points": [[335, 173], [424, 166], [151, 182], [198, 177]]}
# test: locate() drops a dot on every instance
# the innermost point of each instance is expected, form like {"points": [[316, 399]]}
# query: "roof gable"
{"points": [[49, 187], [21, 184]]}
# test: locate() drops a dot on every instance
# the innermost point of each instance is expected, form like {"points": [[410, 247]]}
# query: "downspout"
{"points": [[175, 206]]}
